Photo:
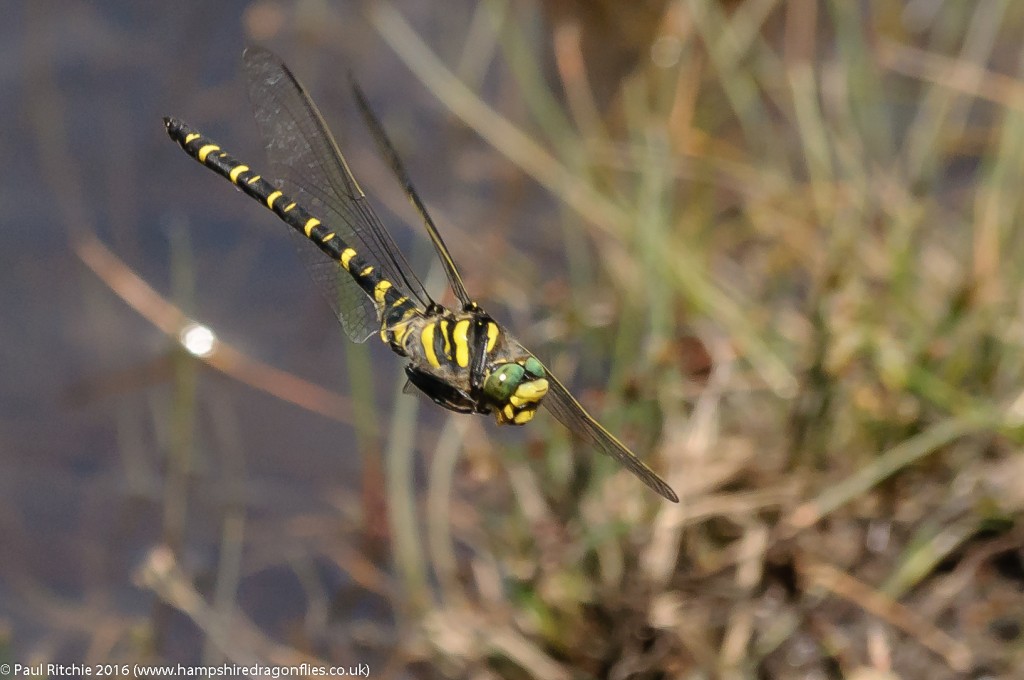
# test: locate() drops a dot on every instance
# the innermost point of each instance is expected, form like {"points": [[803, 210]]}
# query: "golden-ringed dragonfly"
{"points": [[462, 359]]}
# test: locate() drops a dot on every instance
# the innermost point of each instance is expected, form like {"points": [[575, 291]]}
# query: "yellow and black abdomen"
{"points": [[393, 306]]}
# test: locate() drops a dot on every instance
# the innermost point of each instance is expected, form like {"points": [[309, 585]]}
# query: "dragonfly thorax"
{"points": [[466, 362]]}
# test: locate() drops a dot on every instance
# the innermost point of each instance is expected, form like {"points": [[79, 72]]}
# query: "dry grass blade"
{"points": [[825, 576], [955, 74], [237, 639]]}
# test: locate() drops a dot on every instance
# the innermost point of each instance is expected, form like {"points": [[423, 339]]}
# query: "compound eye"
{"points": [[502, 382], [534, 368]]}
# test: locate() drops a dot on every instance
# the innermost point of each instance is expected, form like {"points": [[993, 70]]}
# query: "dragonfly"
{"points": [[461, 358]]}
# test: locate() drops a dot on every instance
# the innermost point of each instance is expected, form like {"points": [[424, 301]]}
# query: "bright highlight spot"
{"points": [[198, 340]]}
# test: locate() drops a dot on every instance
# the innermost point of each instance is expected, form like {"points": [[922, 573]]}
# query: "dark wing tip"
{"points": [[641, 471], [666, 491], [564, 407]]}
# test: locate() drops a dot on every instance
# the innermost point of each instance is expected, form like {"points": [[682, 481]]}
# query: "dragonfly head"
{"points": [[516, 389]]}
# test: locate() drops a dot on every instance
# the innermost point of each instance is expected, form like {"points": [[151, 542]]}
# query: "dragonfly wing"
{"points": [[311, 169], [391, 157], [564, 407]]}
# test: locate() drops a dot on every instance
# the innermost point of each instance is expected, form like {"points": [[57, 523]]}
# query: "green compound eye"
{"points": [[534, 368], [502, 383]]}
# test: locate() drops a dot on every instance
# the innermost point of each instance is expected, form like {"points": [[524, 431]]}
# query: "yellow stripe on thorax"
{"points": [[492, 335], [460, 336], [427, 340]]}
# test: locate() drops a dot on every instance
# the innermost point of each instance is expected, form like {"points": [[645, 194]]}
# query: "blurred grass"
{"points": [[794, 243], [783, 192]]}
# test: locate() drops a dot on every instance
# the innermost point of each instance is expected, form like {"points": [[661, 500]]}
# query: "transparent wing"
{"points": [[311, 169], [569, 412], [387, 151]]}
